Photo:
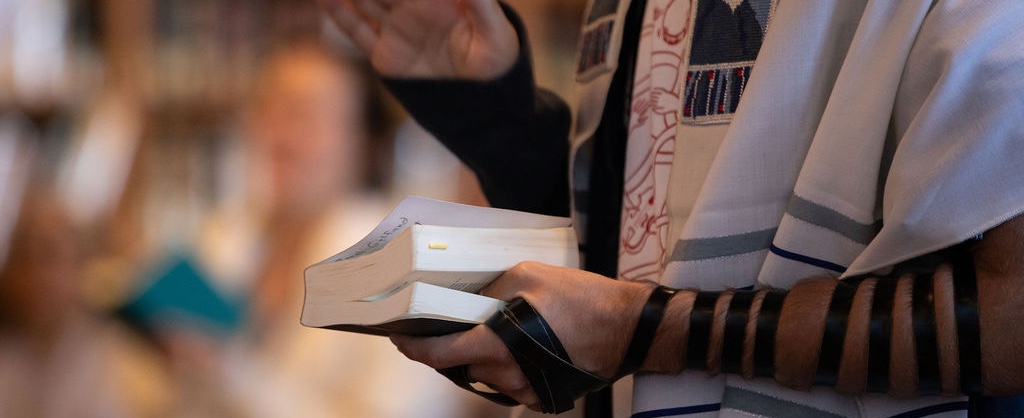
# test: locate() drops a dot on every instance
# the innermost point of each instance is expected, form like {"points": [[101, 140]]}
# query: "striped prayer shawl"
{"points": [[869, 132]]}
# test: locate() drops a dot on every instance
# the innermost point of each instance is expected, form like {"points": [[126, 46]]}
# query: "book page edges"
{"points": [[419, 210], [470, 259], [419, 301]]}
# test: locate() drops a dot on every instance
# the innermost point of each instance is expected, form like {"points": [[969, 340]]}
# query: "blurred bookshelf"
{"points": [[131, 113], [185, 59], [135, 103]]}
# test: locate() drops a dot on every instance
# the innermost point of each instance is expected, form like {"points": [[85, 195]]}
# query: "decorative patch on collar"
{"points": [[594, 52], [712, 94], [725, 41], [596, 46]]}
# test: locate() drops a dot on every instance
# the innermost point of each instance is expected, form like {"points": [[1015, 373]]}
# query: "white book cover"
{"points": [[420, 210], [422, 265]]}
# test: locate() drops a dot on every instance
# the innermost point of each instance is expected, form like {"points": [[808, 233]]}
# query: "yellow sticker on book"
{"points": [[437, 245]]}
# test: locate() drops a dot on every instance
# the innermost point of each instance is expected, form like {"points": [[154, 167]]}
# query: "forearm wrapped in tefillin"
{"points": [[869, 336]]}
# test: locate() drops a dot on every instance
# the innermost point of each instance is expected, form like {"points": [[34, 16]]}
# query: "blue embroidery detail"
{"points": [[807, 259], [675, 412], [714, 92], [934, 409], [723, 47]]}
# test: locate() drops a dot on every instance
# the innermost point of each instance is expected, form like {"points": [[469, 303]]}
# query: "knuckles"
{"points": [[525, 270], [509, 382]]}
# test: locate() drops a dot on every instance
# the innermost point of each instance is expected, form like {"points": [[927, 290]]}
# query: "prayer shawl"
{"points": [[869, 132]]}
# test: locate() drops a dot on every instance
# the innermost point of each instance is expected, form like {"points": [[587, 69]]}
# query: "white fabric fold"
{"points": [[870, 132]]}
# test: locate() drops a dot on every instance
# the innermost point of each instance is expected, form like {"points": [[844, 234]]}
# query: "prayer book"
{"points": [[418, 272]]}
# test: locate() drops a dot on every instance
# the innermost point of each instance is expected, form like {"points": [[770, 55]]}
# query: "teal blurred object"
{"points": [[179, 294]]}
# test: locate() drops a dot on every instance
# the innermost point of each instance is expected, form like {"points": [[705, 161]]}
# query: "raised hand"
{"points": [[437, 39]]}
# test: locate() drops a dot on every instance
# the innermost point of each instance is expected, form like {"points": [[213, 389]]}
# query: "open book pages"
{"points": [[463, 259], [417, 309], [456, 248], [420, 210]]}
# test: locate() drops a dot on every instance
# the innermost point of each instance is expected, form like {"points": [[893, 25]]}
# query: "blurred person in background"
{"points": [[58, 358], [304, 142]]}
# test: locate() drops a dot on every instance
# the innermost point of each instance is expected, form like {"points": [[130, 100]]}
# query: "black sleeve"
{"points": [[513, 135]]}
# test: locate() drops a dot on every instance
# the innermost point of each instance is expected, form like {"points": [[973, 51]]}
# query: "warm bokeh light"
{"points": [[167, 168]]}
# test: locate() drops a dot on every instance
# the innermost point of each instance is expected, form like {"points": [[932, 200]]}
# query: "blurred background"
{"points": [[167, 169]]}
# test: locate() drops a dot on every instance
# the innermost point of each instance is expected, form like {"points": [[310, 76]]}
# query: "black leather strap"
{"points": [[736, 319], [880, 335], [965, 289], [541, 357], [701, 316], [835, 333], [646, 327], [925, 339], [764, 338]]}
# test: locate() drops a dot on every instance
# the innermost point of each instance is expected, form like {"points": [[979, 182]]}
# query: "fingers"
{"points": [[542, 283], [517, 281], [373, 10], [360, 22], [489, 360], [478, 345], [505, 379], [489, 22], [485, 15]]}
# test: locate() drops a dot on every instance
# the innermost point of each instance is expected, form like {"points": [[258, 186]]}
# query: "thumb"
{"points": [[358, 22], [490, 24], [486, 16]]}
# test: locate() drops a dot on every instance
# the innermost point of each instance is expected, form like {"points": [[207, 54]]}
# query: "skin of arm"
{"points": [[999, 265], [999, 259]]}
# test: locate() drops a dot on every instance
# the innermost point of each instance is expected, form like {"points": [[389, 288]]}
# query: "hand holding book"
{"points": [[590, 317], [417, 272], [403, 280]]}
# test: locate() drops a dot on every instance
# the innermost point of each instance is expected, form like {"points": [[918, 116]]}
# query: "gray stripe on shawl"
{"points": [[767, 406], [708, 248], [832, 220]]}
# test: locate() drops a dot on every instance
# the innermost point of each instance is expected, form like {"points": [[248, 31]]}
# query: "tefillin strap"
{"points": [[701, 317], [735, 332], [835, 333]]}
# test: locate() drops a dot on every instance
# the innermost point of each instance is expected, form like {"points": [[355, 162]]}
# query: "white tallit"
{"points": [[871, 132]]}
